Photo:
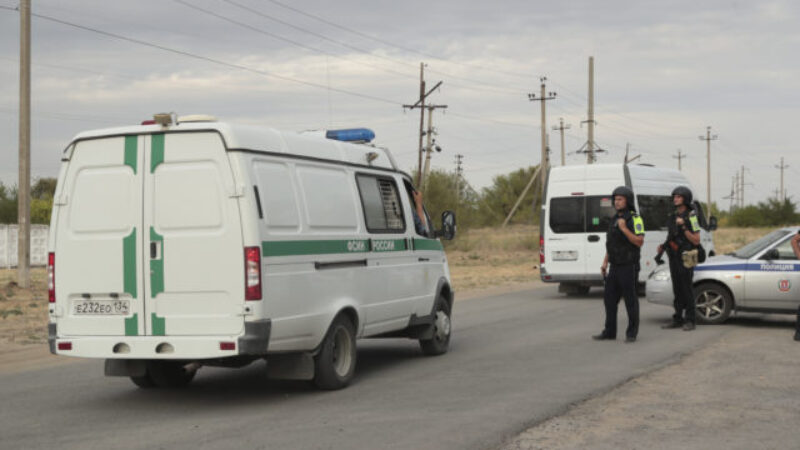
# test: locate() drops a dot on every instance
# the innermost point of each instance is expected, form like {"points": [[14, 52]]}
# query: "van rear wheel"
{"points": [[170, 374], [144, 381], [335, 363], [440, 342]]}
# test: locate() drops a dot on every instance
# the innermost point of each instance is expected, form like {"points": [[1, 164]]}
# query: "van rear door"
{"points": [[98, 238], [194, 253]]}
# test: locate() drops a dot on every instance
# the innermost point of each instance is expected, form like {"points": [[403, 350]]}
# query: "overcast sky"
{"points": [[663, 72]]}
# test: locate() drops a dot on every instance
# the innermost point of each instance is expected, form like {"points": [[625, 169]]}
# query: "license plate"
{"points": [[565, 255], [101, 307]]}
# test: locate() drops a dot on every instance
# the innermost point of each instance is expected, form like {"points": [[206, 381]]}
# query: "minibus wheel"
{"points": [[170, 374], [440, 341], [144, 381], [335, 362]]}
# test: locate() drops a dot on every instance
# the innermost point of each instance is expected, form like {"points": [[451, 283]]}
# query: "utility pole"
{"points": [[459, 171], [589, 146], [731, 196], [679, 158], [590, 115], [708, 138], [421, 105], [782, 198], [429, 147], [542, 98], [24, 181], [741, 189], [561, 127]]}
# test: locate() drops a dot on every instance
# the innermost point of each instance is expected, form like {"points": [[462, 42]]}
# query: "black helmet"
{"points": [[626, 192], [684, 192]]}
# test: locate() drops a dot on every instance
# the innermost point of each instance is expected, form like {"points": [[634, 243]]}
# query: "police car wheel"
{"points": [[713, 303], [440, 342], [335, 362]]}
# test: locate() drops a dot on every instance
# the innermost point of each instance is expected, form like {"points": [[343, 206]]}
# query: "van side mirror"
{"points": [[772, 254], [712, 223], [448, 231]]}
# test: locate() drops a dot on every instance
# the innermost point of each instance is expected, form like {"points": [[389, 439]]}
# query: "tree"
{"points": [[8, 204], [498, 199], [441, 196]]}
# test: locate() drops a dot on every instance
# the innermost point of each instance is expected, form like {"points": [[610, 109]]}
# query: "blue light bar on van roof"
{"points": [[351, 135]]}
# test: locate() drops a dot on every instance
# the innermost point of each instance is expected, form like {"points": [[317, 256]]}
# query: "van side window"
{"points": [[599, 210], [567, 214], [655, 211], [381, 204]]}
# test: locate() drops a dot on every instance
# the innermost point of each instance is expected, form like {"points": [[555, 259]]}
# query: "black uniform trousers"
{"points": [[682, 288], [621, 282]]}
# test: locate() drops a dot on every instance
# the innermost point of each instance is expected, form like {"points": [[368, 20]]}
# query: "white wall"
{"points": [[8, 245]]}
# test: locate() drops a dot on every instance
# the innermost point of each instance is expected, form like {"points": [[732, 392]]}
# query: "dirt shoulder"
{"points": [[741, 392]]}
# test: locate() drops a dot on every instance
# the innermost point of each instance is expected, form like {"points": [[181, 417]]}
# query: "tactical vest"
{"points": [[621, 251], [675, 233]]}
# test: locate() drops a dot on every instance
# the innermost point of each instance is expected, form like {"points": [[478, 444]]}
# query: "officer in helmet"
{"points": [[621, 265], [683, 237]]}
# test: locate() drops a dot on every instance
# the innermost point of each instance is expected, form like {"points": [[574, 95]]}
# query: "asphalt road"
{"points": [[515, 359]]}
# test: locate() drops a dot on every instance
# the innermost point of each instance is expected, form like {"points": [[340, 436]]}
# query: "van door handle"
{"points": [[155, 250], [594, 238], [423, 259]]}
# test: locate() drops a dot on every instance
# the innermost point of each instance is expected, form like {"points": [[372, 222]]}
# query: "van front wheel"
{"points": [[335, 362], [440, 341]]}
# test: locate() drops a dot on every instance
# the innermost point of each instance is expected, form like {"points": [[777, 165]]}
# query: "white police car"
{"points": [[762, 277]]}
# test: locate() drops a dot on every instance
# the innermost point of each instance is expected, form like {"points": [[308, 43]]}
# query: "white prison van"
{"points": [[190, 242], [575, 218]]}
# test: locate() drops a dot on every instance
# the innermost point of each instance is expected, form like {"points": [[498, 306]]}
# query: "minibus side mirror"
{"points": [[772, 254], [448, 231], [712, 223]]}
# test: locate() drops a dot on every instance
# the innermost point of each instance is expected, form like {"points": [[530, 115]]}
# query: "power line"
{"points": [[206, 58], [383, 41]]}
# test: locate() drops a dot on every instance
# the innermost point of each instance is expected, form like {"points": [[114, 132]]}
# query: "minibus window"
{"points": [[655, 210], [567, 215], [381, 204], [599, 210]]}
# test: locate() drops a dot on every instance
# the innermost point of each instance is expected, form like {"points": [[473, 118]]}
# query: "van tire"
{"points": [[144, 381], [442, 327], [335, 363], [170, 374]]}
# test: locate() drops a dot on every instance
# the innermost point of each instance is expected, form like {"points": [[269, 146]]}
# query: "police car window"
{"points": [[598, 213], [751, 249], [567, 215], [381, 204], [655, 210], [785, 250]]}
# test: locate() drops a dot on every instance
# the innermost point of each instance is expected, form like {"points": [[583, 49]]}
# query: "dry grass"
{"points": [[23, 312], [478, 258]]}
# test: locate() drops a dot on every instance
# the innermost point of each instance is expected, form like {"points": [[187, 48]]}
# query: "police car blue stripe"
{"points": [[752, 267]]}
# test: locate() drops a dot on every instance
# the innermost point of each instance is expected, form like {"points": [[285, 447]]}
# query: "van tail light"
{"points": [[51, 277], [252, 273], [541, 249]]}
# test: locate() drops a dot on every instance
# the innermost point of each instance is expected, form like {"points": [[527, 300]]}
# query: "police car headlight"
{"points": [[660, 275]]}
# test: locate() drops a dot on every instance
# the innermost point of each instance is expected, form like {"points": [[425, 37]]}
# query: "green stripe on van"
{"points": [[130, 152], [158, 324], [288, 248], [156, 151], [129, 263], [157, 266], [132, 325], [428, 244]]}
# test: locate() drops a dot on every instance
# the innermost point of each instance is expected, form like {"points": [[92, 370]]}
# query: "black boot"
{"points": [[671, 325]]}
